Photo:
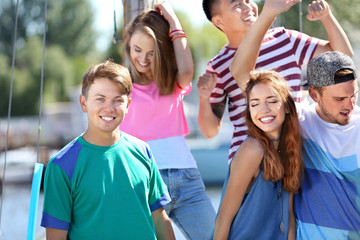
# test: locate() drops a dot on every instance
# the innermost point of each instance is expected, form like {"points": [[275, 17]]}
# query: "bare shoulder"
{"points": [[252, 147], [249, 154]]}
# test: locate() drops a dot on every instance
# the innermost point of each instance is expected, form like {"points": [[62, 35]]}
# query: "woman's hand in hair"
{"points": [[165, 9]]}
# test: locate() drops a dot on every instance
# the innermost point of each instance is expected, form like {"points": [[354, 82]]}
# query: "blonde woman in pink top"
{"points": [[161, 68]]}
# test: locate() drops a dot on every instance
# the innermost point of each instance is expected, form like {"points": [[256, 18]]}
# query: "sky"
{"points": [[104, 11]]}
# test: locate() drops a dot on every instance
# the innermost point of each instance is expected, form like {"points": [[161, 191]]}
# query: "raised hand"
{"points": [[206, 84], [318, 10], [279, 6], [165, 9]]}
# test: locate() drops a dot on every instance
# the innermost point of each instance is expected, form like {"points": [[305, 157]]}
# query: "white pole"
{"points": [[300, 17]]}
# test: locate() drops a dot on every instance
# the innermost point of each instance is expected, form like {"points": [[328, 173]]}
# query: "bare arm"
{"points": [[248, 51], [244, 167], [162, 224], [338, 40], [183, 54], [209, 116], [292, 224], [55, 234]]}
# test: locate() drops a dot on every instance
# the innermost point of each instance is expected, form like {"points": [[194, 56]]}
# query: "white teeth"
{"points": [[266, 119], [142, 64], [107, 118], [248, 18]]}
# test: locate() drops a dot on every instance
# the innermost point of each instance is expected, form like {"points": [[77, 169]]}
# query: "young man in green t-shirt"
{"points": [[105, 184]]}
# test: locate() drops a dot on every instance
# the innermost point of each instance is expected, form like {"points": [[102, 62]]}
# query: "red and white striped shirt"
{"points": [[282, 50]]}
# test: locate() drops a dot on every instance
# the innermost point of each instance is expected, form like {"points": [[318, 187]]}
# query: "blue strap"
{"points": [[34, 199]]}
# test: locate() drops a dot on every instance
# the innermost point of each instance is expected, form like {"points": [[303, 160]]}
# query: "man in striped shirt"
{"points": [[282, 50]]}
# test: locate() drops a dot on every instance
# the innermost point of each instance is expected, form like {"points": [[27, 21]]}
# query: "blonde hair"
{"points": [[164, 68]]}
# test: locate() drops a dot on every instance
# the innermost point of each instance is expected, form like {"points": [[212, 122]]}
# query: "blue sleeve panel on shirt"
{"points": [[51, 222], [68, 157], [164, 200], [55, 183]]}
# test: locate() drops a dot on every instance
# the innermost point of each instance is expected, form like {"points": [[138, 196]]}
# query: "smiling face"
{"points": [[142, 48], [106, 106], [336, 102], [267, 110], [235, 15]]}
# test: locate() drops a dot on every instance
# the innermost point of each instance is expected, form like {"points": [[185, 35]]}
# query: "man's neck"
{"points": [[235, 39], [102, 139]]}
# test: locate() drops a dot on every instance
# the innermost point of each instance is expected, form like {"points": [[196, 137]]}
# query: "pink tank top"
{"points": [[153, 116]]}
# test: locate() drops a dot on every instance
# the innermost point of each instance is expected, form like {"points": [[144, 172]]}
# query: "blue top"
{"points": [[262, 211], [328, 203]]}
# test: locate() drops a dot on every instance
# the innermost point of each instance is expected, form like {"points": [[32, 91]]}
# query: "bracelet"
{"points": [[176, 32], [178, 36]]}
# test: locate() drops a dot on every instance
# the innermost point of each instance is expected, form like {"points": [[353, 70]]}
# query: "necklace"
{"points": [[275, 140], [282, 225]]}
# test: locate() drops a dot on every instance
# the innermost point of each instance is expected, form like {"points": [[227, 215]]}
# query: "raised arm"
{"points": [[248, 51], [183, 55], [338, 40]]}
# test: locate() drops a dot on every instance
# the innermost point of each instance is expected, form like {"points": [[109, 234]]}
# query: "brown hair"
{"points": [[286, 161], [110, 70], [164, 68]]}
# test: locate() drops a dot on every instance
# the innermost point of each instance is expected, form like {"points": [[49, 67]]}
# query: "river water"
{"points": [[15, 211]]}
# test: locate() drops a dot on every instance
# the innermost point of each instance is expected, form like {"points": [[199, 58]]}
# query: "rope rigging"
{"points": [[9, 109], [300, 17], [38, 168], [41, 83]]}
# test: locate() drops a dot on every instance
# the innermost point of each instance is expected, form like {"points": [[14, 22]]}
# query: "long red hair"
{"points": [[286, 161]]}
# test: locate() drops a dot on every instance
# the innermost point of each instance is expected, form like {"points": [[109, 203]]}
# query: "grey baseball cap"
{"points": [[321, 69]]}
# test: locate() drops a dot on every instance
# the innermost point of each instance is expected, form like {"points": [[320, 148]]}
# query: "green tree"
{"points": [[69, 24], [27, 77], [28, 23], [115, 52], [69, 51], [5, 76]]}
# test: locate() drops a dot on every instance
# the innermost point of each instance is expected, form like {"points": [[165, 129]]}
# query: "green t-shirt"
{"points": [[96, 192]]}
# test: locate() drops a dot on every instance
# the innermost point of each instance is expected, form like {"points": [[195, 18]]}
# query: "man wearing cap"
{"points": [[282, 50], [328, 203]]}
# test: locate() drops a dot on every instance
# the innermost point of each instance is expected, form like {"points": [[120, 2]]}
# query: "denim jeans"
{"points": [[190, 207]]}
